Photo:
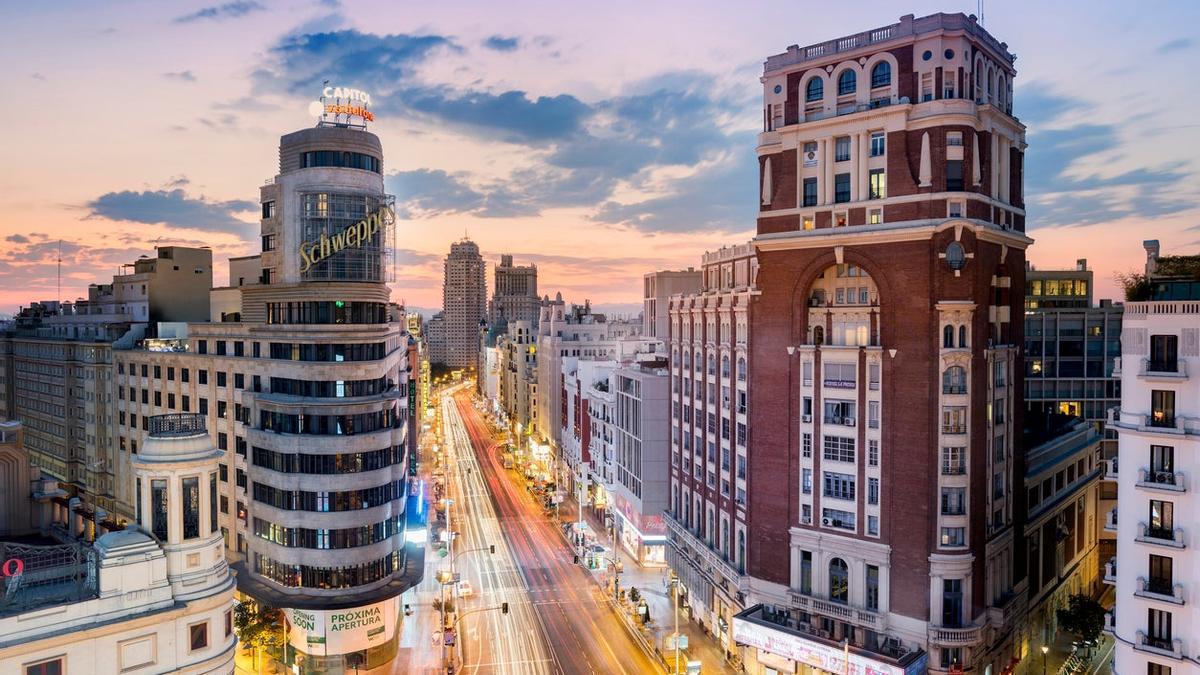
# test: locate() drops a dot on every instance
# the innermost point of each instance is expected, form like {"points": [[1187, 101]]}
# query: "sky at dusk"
{"points": [[598, 140]]}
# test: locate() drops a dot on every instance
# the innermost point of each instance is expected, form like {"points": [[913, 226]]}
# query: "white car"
{"points": [[464, 589]]}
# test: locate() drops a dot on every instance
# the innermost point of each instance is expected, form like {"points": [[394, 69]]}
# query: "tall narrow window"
{"points": [[841, 149], [881, 75], [810, 191], [1162, 408], [839, 581], [191, 507], [158, 507], [815, 90], [952, 601], [878, 184], [954, 175], [806, 572], [841, 188], [1164, 353], [873, 587], [878, 144], [847, 82], [212, 502]]}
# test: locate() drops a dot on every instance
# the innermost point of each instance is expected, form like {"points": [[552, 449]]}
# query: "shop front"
{"points": [[342, 640], [773, 643], [643, 537]]}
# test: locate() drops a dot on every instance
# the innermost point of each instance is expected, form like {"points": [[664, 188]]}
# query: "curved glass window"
{"points": [[293, 351], [344, 235], [330, 388], [329, 425], [881, 74], [339, 158], [815, 91], [305, 576], [327, 311], [351, 537], [350, 462], [323, 502], [847, 82]]}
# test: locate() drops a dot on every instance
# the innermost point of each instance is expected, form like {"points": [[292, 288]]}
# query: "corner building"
{"points": [[305, 387], [885, 440]]}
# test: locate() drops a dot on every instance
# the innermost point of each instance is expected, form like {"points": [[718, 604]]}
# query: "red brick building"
{"points": [[884, 448]]}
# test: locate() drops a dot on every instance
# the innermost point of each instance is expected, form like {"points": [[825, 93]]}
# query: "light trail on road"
{"points": [[576, 618]]}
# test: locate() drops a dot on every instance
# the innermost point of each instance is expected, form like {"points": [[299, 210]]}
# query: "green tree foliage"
{"points": [[258, 626], [1083, 616]]}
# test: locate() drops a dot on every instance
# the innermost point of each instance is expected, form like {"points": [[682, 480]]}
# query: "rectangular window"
{"points": [[1162, 520], [806, 563], [202, 377], [954, 138], [841, 149], [841, 375], [837, 518], [51, 667], [872, 452], [1158, 629], [878, 184], [954, 501], [268, 210], [873, 587], [1162, 408], [1162, 579], [952, 603], [1164, 353], [838, 449], [840, 219], [808, 222], [810, 192], [954, 420], [221, 378], [1162, 463], [839, 412], [874, 216], [873, 491], [873, 525], [806, 445], [841, 188], [953, 536], [198, 636], [955, 209], [954, 461], [878, 144], [838, 485], [806, 481], [954, 175]]}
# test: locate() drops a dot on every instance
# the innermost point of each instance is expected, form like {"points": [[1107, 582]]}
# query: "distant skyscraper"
{"points": [[515, 296], [464, 303]]}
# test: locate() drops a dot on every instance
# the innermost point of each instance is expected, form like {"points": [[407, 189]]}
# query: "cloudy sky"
{"points": [[599, 140]]}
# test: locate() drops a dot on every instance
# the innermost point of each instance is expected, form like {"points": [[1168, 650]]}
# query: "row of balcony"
{"points": [[1163, 590], [1110, 572], [1173, 481], [1161, 536]]}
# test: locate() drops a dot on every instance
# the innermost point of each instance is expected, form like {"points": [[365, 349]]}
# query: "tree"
{"points": [[258, 626], [1138, 287], [1083, 616]]}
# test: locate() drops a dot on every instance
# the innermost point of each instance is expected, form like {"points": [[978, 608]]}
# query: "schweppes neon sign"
{"points": [[352, 236]]}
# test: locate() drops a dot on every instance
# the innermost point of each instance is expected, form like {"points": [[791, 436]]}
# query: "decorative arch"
{"points": [[840, 71], [893, 65], [1001, 92], [809, 274], [991, 84], [962, 336], [814, 80], [948, 337], [954, 380], [741, 368], [977, 73]]}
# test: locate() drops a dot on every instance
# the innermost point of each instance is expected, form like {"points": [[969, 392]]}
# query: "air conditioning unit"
{"points": [[848, 421], [806, 418], [826, 522], [806, 520]]}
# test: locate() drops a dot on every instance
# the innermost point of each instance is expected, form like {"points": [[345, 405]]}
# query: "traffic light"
{"points": [[504, 608], [492, 548]]}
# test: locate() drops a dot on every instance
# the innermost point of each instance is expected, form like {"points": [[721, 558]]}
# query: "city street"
{"points": [[571, 614]]}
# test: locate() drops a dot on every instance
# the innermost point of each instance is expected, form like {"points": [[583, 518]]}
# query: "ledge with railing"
{"points": [[1153, 479], [1163, 369], [1162, 590], [1161, 536], [859, 616], [965, 636], [1110, 469], [1170, 647], [177, 424], [1110, 572], [1110, 520]]}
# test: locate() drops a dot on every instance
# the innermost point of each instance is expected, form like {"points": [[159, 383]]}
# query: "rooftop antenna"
{"points": [[979, 8], [59, 296]]}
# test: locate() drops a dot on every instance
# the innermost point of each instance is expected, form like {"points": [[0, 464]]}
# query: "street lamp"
{"points": [[1045, 651]]}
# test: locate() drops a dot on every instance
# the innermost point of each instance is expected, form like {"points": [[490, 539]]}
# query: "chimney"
{"points": [[1152, 249], [1081, 265]]}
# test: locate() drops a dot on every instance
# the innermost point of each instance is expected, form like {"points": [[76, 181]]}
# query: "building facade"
{"points": [[464, 304], [517, 386], [155, 597], [885, 343], [308, 397], [657, 289], [56, 370], [711, 438], [1155, 621], [515, 294], [641, 454]]}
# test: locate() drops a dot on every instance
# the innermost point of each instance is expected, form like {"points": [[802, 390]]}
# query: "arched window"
{"points": [[725, 538], [991, 92], [962, 337], [741, 551], [954, 380], [741, 369], [724, 366], [839, 581], [712, 364], [687, 359], [710, 531], [847, 82], [818, 335], [948, 337], [881, 75], [815, 91], [978, 81]]}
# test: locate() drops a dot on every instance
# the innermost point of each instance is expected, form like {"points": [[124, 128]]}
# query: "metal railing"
{"points": [[48, 575], [177, 424]]}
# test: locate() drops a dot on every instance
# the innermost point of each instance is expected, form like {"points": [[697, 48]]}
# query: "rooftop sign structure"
{"points": [[343, 107]]}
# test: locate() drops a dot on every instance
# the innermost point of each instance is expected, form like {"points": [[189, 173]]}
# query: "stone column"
{"points": [[864, 160], [826, 187], [858, 188]]}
